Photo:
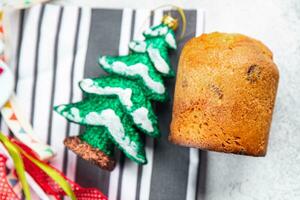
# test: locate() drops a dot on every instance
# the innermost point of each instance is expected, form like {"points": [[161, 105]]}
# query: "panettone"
{"points": [[224, 95]]}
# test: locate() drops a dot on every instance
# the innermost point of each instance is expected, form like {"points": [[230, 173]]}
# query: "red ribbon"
{"points": [[6, 191], [49, 186]]}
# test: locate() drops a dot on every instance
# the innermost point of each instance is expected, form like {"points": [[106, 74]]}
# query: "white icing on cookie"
{"points": [[73, 114], [138, 46], [60, 108], [123, 94], [140, 116], [112, 122], [132, 70], [157, 32], [170, 39], [159, 63]]}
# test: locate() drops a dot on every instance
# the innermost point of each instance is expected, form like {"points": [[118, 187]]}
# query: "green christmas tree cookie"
{"points": [[117, 108]]}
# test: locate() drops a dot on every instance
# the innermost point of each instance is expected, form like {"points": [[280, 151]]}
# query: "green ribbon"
{"points": [[15, 152], [19, 165]]}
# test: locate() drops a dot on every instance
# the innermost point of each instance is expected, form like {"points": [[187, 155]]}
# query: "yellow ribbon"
{"points": [[19, 165], [15, 152], [53, 174]]}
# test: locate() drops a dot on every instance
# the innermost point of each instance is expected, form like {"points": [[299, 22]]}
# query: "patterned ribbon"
{"points": [[52, 181], [23, 130], [15, 120], [6, 191], [47, 182], [15, 154], [13, 180], [18, 155]]}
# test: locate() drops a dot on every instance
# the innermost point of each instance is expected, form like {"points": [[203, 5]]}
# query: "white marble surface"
{"points": [[277, 24]]}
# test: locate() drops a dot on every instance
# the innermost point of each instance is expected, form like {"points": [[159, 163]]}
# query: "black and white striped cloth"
{"points": [[55, 47]]}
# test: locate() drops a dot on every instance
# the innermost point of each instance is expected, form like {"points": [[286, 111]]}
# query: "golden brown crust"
{"points": [[224, 94], [87, 152]]}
